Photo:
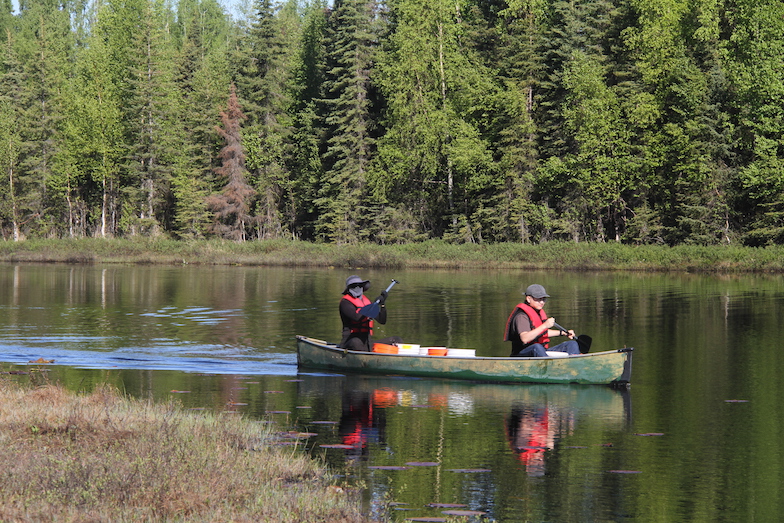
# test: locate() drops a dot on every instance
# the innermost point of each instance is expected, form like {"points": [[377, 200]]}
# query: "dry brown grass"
{"points": [[102, 457]]}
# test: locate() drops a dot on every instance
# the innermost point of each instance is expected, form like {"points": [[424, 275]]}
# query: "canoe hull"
{"points": [[605, 368]]}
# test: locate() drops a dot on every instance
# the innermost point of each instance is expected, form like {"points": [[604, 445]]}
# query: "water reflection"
{"points": [[431, 442], [532, 430], [223, 339], [362, 420]]}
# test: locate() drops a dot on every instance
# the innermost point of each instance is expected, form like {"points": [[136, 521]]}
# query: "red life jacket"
{"points": [[537, 318], [365, 324]]}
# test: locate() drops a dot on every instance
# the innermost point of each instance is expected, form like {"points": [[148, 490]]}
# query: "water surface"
{"points": [[696, 438]]}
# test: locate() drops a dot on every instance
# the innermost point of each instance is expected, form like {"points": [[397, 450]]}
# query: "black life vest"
{"points": [[364, 324]]}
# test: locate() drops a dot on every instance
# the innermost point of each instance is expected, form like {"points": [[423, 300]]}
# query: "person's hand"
{"points": [[549, 322], [382, 298]]}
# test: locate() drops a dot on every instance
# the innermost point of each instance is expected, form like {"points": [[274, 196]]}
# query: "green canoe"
{"points": [[613, 367]]}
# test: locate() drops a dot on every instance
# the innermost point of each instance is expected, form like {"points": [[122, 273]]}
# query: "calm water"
{"points": [[697, 438]]}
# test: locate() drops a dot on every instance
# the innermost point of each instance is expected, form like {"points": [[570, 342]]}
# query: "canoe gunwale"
{"points": [[612, 367], [333, 347]]}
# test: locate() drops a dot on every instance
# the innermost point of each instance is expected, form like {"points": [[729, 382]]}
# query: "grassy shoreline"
{"points": [[105, 457], [429, 254]]}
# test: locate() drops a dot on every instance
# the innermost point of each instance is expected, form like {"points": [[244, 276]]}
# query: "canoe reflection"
{"points": [[388, 421]]}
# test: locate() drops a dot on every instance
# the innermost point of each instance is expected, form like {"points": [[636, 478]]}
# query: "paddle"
{"points": [[371, 310], [583, 340]]}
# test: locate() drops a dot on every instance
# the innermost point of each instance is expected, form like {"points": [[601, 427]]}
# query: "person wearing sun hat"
{"points": [[358, 329], [529, 329]]}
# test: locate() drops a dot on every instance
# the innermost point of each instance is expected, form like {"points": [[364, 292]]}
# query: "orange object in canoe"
{"points": [[383, 348]]}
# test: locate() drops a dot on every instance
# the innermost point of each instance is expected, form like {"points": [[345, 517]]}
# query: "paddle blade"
{"points": [[371, 311], [584, 341]]}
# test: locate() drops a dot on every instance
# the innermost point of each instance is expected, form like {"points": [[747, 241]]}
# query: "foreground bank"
{"points": [[429, 254], [103, 457]]}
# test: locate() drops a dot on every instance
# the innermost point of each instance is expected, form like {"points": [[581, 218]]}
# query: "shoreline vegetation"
{"points": [[432, 254], [105, 457]]}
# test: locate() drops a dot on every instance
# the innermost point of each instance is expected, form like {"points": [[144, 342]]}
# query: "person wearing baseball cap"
{"points": [[529, 329], [357, 329]]}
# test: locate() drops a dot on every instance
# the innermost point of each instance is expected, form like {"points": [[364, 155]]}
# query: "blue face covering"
{"points": [[356, 290]]}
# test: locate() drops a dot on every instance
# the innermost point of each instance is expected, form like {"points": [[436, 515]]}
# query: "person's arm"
{"points": [[529, 334], [382, 315], [557, 332], [349, 311], [382, 312]]}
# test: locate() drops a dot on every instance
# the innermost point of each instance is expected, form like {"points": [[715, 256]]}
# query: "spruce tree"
{"points": [[673, 69], [202, 79], [11, 85], [754, 61], [231, 206], [348, 116], [304, 160], [45, 45], [263, 86], [519, 67], [154, 121], [574, 88]]}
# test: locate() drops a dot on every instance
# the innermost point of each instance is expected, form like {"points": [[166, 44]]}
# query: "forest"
{"points": [[396, 121]]}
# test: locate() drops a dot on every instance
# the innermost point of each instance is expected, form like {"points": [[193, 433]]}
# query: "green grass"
{"points": [[429, 254]]}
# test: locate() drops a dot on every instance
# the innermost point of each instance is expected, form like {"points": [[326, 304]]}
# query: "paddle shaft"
{"points": [[583, 340], [390, 286], [372, 309]]}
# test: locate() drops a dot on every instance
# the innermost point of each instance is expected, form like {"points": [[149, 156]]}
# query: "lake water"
{"points": [[696, 438]]}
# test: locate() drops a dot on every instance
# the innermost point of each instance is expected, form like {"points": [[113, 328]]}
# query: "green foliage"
{"points": [[511, 120], [10, 138], [644, 227], [347, 115], [435, 86], [202, 77], [754, 57], [89, 163], [423, 254], [43, 43], [263, 80], [155, 133]]}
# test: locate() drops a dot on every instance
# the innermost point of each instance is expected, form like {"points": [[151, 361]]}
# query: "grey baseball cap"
{"points": [[536, 291]]}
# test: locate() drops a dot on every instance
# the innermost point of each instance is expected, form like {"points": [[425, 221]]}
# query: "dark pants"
{"points": [[537, 350]]}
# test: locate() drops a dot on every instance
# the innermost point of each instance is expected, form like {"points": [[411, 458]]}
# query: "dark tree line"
{"points": [[641, 121]]}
